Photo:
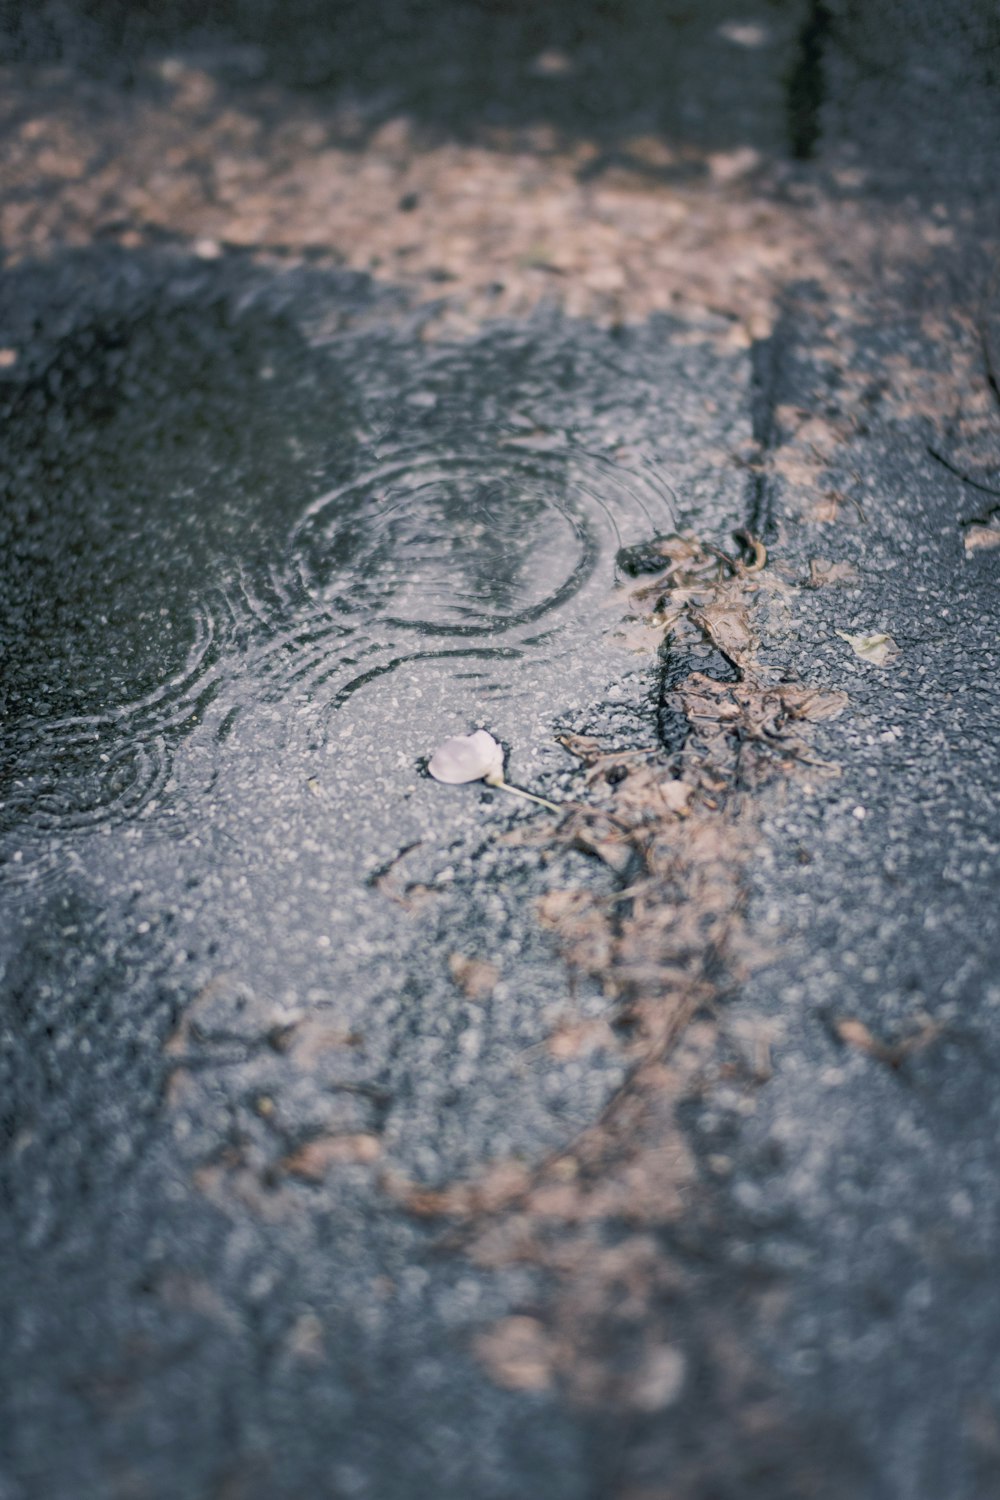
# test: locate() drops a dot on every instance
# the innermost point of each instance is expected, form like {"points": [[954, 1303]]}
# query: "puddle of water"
{"points": [[253, 582], [253, 570]]}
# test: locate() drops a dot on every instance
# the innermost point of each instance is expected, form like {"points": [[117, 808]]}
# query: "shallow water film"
{"points": [[259, 568], [610, 392]]}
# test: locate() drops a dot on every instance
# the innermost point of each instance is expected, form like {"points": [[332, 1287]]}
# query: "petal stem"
{"points": [[516, 791]]}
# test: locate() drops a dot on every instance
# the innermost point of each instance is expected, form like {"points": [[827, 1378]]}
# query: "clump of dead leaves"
{"points": [[677, 829], [704, 595]]}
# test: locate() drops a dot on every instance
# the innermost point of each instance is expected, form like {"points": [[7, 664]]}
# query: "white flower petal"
{"points": [[467, 757]]}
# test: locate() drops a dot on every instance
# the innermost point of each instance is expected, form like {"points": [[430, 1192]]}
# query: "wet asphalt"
{"points": [[262, 547]]}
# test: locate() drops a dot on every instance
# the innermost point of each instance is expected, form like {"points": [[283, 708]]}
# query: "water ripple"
{"points": [[480, 542], [84, 770], [483, 538], [446, 554]]}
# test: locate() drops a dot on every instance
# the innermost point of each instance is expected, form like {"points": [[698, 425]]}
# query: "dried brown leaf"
{"points": [[580, 1039], [475, 977], [314, 1159], [559, 906], [583, 746], [856, 1034], [582, 926], [677, 795], [808, 703], [727, 625], [519, 1353], [615, 852], [824, 574], [983, 538]]}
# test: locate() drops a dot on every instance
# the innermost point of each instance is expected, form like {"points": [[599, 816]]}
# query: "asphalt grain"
{"points": [[237, 917]]}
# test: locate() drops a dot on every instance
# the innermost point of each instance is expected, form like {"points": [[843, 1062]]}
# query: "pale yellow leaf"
{"points": [[879, 650]]}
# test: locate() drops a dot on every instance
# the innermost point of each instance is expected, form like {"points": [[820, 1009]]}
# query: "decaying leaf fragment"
{"points": [[981, 538], [743, 721], [878, 650], [808, 703], [823, 574], [854, 1033], [519, 1354], [582, 924], [726, 623], [475, 977]]}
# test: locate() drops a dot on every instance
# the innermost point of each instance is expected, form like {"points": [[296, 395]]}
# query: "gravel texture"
{"points": [[366, 1137]]}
